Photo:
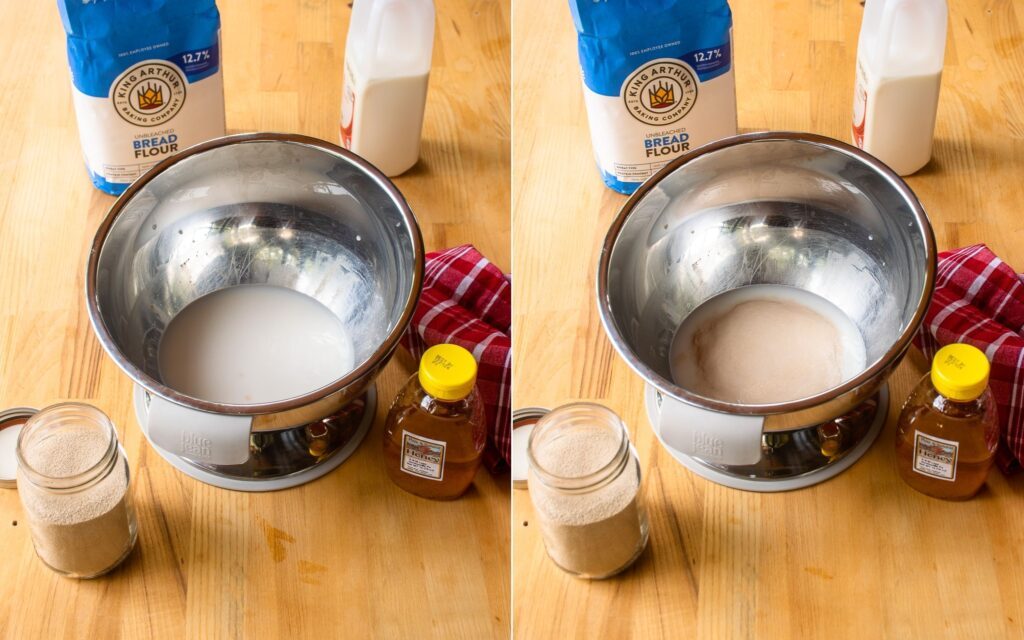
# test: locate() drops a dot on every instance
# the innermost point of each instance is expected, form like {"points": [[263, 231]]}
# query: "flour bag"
{"points": [[657, 81], [146, 81]]}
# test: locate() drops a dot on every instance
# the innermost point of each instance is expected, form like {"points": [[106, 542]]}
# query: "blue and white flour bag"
{"points": [[657, 81], [146, 81]]}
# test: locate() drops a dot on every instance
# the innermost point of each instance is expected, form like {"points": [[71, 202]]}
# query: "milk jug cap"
{"points": [[960, 372], [447, 372]]}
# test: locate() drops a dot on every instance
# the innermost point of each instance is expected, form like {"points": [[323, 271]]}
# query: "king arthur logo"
{"points": [[149, 94], [150, 97], [660, 92], [662, 96]]}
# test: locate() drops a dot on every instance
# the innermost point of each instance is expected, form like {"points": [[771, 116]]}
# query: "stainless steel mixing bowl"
{"points": [[768, 208], [277, 209]]}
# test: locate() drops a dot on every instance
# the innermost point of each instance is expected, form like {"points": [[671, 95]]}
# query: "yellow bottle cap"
{"points": [[447, 372], [960, 372]]}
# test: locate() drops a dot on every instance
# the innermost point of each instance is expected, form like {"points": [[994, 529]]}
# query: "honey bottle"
{"points": [[948, 429], [435, 431]]}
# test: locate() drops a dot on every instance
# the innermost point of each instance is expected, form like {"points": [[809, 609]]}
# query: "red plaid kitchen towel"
{"points": [[979, 300], [467, 301]]}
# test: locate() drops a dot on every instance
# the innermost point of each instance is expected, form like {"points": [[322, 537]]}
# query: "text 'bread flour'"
{"points": [[146, 81], [657, 82]]}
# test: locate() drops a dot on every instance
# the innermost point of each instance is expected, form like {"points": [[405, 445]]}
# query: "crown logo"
{"points": [[150, 98], [662, 96]]}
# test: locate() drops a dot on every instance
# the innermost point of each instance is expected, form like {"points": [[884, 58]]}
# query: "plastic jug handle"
{"points": [[936, 32], [415, 44], [379, 13], [204, 437], [720, 438], [889, 9], [371, 39]]}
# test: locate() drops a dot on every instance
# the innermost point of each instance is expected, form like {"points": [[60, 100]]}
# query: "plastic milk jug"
{"points": [[387, 63], [899, 68]]}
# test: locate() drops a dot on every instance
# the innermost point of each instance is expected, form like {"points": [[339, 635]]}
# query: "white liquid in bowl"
{"points": [[254, 344], [764, 344]]}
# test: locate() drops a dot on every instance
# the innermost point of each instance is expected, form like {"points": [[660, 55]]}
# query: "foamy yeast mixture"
{"points": [[764, 344], [253, 344]]}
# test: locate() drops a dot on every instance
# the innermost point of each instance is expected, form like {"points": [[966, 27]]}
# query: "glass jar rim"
{"points": [[595, 479], [84, 478]]}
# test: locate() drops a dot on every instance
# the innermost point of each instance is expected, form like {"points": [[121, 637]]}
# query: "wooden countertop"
{"points": [[349, 554], [859, 556]]}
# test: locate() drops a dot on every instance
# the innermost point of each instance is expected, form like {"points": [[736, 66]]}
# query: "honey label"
{"points": [[935, 457], [422, 457]]}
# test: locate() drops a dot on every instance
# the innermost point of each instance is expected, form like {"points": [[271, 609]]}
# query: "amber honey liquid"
{"points": [[934, 419], [433, 448]]}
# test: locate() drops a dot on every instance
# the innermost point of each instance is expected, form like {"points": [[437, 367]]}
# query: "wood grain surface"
{"points": [[349, 555], [860, 556]]}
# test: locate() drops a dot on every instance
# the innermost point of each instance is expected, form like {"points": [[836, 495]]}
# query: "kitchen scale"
{"points": [[283, 458], [791, 459]]}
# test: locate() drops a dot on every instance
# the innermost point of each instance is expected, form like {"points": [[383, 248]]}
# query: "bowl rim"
{"points": [[879, 366], [366, 367]]}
